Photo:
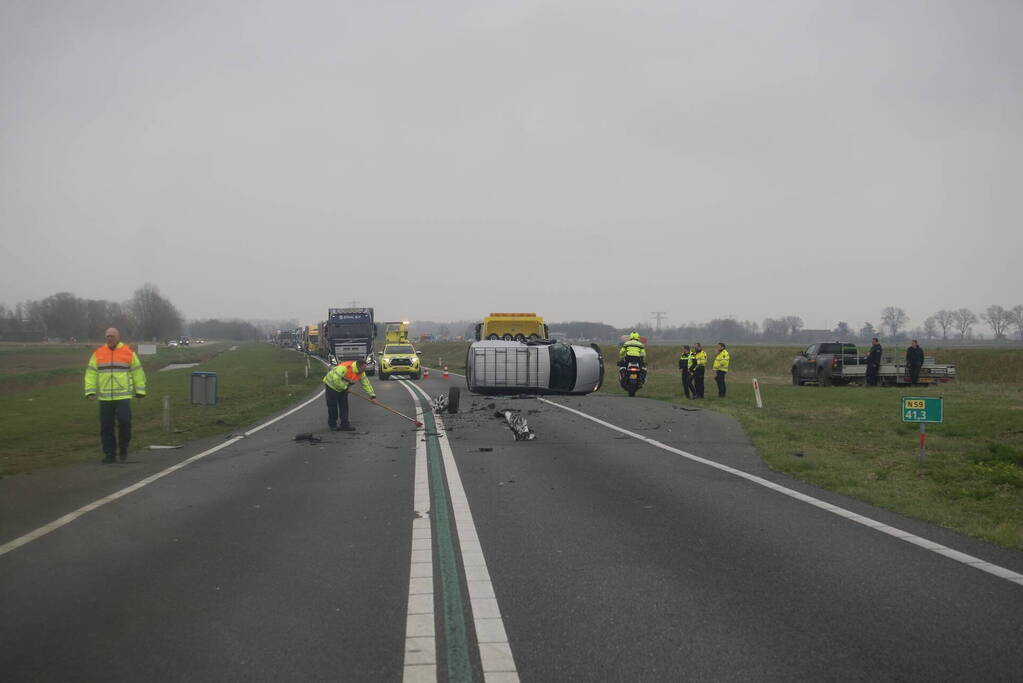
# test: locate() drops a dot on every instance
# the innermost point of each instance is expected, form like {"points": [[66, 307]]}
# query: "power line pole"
{"points": [[658, 316]]}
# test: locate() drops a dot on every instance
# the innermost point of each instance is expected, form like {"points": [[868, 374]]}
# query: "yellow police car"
{"points": [[399, 359]]}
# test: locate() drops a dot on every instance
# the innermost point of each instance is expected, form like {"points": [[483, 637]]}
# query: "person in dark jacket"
{"points": [[873, 362], [914, 361]]}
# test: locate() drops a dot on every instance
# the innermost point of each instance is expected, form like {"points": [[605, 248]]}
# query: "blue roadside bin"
{"points": [[204, 388]]}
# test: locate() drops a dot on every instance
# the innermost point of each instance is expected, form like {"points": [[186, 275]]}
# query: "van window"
{"points": [[562, 367]]}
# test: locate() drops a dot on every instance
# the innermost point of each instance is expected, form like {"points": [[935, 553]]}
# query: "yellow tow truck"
{"points": [[512, 326], [398, 357]]}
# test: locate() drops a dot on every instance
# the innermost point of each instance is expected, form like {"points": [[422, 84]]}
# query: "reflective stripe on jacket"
{"points": [[700, 359], [721, 361], [684, 360], [114, 374], [633, 349], [343, 375]]}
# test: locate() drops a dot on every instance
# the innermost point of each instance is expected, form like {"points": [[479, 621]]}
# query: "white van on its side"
{"points": [[511, 367]]}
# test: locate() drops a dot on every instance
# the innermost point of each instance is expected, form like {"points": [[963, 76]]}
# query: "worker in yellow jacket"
{"points": [[113, 376], [336, 383], [685, 362], [721, 361], [699, 365]]}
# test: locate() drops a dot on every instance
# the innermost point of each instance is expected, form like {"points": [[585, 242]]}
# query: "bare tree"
{"points": [[775, 328], [155, 316], [894, 318], [998, 318], [930, 328], [945, 319], [794, 324], [1016, 318], [842, 330], [964, 320]]}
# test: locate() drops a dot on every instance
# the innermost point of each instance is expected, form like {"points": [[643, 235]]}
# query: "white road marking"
{"points": [[969, 560], [495, 652], [72, 516], [420, 638]]}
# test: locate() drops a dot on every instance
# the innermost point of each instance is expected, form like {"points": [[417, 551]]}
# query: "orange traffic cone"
{"points": [[445, 375], [426, 373]]}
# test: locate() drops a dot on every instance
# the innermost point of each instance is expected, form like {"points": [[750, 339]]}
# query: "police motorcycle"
{"points": [[631, 376]]}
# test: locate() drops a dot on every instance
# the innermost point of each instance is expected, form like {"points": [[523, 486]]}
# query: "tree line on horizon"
{"points": [[894, 326], [147, 315], [943, 325]]}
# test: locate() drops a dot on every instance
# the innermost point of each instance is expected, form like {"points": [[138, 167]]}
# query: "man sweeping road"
{"points": [[337, 380]]}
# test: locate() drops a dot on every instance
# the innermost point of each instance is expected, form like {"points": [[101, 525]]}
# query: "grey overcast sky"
{"points": [[586, 160]]}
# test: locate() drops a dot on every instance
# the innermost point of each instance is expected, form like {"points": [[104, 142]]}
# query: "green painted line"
{"points": [[456, 637]]}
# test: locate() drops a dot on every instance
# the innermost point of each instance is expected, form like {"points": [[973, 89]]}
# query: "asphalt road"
{"points": [[608, 559]]}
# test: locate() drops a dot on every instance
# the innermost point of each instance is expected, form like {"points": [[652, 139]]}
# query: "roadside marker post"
{"points": [[445, 373], [756, 392], [923, 409], [166, 414]]}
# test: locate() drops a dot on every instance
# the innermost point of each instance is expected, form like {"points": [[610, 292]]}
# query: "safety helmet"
{"points": [[634, 335]]}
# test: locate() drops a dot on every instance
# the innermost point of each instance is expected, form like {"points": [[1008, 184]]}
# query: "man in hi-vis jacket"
{"points": [[113, 376]]}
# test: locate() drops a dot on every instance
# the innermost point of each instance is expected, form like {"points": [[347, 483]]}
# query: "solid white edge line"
{"points": [[963, 558], [72, 516], [420, 663], [495, 652]]}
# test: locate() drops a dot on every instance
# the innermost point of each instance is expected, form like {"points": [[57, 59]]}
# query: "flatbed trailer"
{"points": [[838, 363]]}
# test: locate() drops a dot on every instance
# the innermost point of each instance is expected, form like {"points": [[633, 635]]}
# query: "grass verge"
{"points": [[48, 423]]}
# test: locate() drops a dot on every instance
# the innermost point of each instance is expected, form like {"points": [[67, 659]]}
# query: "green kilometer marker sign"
{"points": [[923, 409]]}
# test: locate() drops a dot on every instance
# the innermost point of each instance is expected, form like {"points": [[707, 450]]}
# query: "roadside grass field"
{"points": [[852, 439], [47, 421]]}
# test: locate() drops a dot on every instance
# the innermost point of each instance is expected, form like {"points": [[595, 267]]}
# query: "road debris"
{"points": [[155, 447], [311, 438], [518, 425]]}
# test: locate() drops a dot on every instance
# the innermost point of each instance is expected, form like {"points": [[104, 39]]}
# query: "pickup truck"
{"points": [[837, 363]]}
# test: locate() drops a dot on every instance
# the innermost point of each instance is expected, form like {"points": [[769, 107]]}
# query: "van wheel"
{"points": [[417, 375], [508, 337], [492, 337], [520, 338], [454, 394]]}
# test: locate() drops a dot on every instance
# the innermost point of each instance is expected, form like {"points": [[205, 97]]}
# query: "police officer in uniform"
{"points": [[699, 369], [684, 366], [632, 349], [721, 361]]}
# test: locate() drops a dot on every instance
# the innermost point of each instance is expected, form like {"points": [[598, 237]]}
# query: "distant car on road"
{"points": [[172, 342], [543, 367]]}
